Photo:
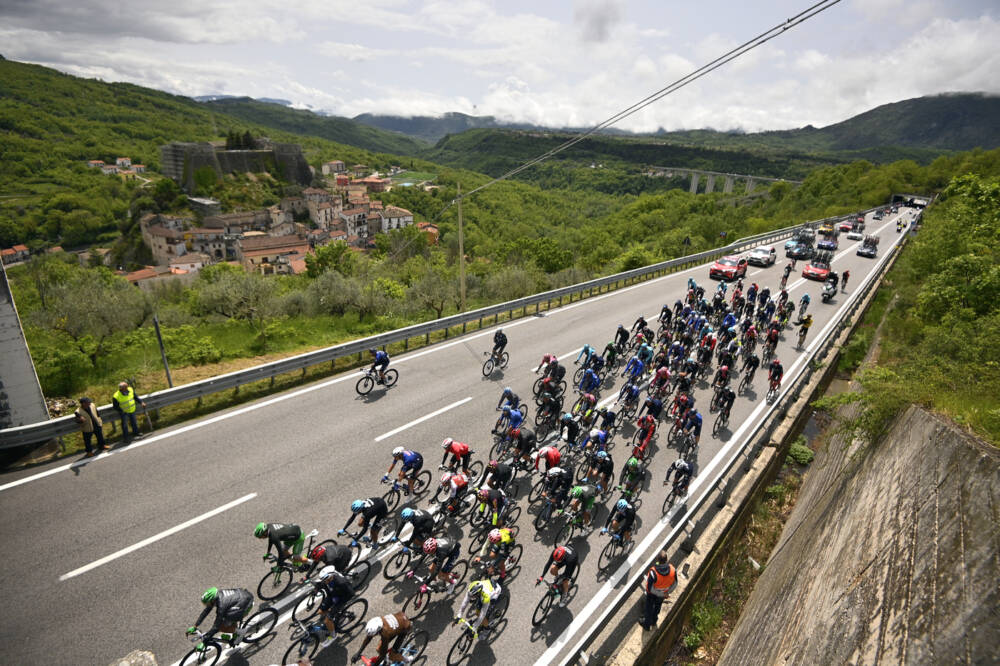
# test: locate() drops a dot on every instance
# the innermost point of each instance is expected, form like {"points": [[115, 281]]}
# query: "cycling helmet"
{"points": [[260, 531], [566, 417], [621, 504], [317, 552], [506, 410], [507, 390], [494, 536], [484, 494], [633, 462], [559, 554], [209, 595], [372, 350], [430, 546], [447, 442], [475, 588], [445, 478], [577, 492], [374, 626], [554, 472], [398, 451], [406, 513], [357, 505], [491, 466], [602, 455]]}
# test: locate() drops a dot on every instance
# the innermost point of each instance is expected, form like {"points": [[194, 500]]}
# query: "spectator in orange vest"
{"points": [[660, 581]]}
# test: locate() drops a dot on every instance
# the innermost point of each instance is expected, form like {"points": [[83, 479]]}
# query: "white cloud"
{"points": [[597, 19]]}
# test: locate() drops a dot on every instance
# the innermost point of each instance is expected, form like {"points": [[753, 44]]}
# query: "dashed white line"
{"points": [[423, 418]]}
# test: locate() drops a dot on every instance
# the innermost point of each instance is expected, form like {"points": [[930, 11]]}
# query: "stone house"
{"points": [[394, 217], [333, 167]]}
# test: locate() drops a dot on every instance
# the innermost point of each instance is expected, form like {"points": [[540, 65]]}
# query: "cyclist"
{"points": [[610, 353], [729, 320], [496, 500], [598, 438], [549, 454], [412, 461], [514, 419], [692, 424], [332, 555], [589, 382], [498, 545], [683, 402], [665, 315], [508, 399], [587, 402], [388, 627], [588, 352], [231, 606], [682, 470], [804, 327], [772, 338], [843, 283], [547, 361], [602, 469], [457, 484], [634, 368], [558, 482], [775, 373], [686, 376], [498, 474], [381, 360], [608, 417], [459, 452], [631, 477], [727, 396], [751, 363], [569, 429], [764, 296], [338, 592], [445, 552], [565, 558], [621, 520], [749, 333], [653, 405], [370, 514], [522, 443], [803, 304], [487, 593], [645, 353], [661, 379], [722, 377], [647, 426], [582, 498], [752, 293], [629, 394], [621, 338], [549, 403], [423, 525], [597, 364], [639, 325], [499, 342], [287, 541]]}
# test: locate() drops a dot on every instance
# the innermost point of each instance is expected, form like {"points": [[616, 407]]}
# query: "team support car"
{"points": [[869, 247], [855, 234], [818, 267], [762, 256], [805, 236], [827, 244], [728, 268], [846, 225], [799, 251]]}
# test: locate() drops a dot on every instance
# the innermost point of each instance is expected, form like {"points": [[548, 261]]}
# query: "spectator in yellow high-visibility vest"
{"points": [[124, 401]]}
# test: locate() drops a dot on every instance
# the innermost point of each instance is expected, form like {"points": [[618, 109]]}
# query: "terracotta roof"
{"points": [[353, 211], [141, 274], [21, 248], [285, 249], [396, 211], [164, 232], [203, 231], [8, 252], [268, 242], [297, 266]]}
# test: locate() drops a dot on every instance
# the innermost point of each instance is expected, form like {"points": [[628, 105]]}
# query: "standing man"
{"points": [[843, 283], [660, 581], [90, 425], [124, 401]]}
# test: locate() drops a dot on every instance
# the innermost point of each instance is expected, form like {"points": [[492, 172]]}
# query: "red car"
{"points": [[728, 268], [847, 225], [818, 268]]}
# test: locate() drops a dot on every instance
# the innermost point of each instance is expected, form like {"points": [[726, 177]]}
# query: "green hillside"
{"points": [[307, 123]]}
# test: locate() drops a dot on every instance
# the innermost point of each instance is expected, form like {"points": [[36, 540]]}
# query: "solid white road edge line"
{"points": [[599, 599], [156, 537], [422, 419]]}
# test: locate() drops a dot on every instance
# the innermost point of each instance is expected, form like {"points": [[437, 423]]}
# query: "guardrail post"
{"points": [[445, 332], [463, 327], [406, 344], [272, 381]]}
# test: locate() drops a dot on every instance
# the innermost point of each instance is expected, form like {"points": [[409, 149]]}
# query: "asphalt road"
{"points": [[112, 555]]}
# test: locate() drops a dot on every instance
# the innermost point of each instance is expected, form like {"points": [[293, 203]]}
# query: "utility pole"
{"points": [[461, 248], [163, 351]]}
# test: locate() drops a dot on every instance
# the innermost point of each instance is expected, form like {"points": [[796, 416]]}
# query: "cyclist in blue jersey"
{"points": [[380, 360], [634, 368], [729, 320], [608, 417], [515, 418], [722, 287], [508, 399], [676, 351], [589, 382], [412, 461], [629, 393], [586, 353], [597, 363], [692, 423]]}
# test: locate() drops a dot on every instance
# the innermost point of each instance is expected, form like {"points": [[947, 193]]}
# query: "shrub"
{"points": [[799, 452]]}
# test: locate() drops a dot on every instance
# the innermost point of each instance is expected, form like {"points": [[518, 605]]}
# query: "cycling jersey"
{"points": [[589, 381], [550, 455], [654, 407], [516, 418], [524, 439], [693, 420], [372, 514], [587, 351], [501, 477], [447, 553], [458, 484], [624, 517], [639, 324], [281, 536], [488, 593], [598, 437], [634, 367], [337, 556], [230, 605], [412, 461], [509, 398], [729, 321], [645, 353], [381, 360], [339, 586], [423, 525], [568, 563], [608, 417], [621, 336]]}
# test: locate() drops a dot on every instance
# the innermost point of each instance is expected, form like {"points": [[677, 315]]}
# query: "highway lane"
{"points": [[306, 457]]}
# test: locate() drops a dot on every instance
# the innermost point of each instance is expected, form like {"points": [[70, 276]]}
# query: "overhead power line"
{"points": [[705, 69]]}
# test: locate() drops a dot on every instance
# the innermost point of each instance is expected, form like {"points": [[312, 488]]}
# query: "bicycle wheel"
{"points": [[274, 584], [351, 615], [391, 498], [364, 387], [582, 472], [414, 645], [744, 385], [309, 605], [391, 377], [422, 483], [717, 426], [608, 555], [536, 387], [488, 367], [499, 425], [459, 571], [536, 491], [504, 359], [542, 609], [512, 515], [577, 376], [461, 647], [416, 604], [565, 533], [397, 565], [304, 648], [206, 656], [476, 472], [358, 574], [542, 519], [514, 556]]}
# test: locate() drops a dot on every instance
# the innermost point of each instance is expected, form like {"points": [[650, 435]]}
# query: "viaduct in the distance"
{"points": [[729, 179]]}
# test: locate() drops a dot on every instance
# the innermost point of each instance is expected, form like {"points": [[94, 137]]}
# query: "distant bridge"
{"points": [[729, 179]]}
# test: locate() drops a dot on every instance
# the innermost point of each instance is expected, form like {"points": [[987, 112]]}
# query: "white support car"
{"points": [[762, 256]]}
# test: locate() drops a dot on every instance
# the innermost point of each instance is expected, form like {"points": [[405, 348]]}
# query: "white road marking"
{"points": [[423, 418], [156, 537]]}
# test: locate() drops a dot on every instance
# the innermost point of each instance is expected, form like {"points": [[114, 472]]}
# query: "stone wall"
{"points": [[180, 161], [891, 555]]}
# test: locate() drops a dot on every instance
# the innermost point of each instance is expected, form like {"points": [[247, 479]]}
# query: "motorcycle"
{"points": [[829, 291]]}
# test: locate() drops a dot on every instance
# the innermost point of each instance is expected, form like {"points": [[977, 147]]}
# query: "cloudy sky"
{"points": [[550, 62]]}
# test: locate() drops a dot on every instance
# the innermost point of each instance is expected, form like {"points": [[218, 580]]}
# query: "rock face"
{"points": [[891, 555], [136, 658]]}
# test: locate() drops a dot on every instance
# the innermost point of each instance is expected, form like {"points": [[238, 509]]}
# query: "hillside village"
{"points": [[270, 241]]}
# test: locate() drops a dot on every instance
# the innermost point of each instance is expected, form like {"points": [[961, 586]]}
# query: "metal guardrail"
{"points": [[750, 449], [44, 431]]}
